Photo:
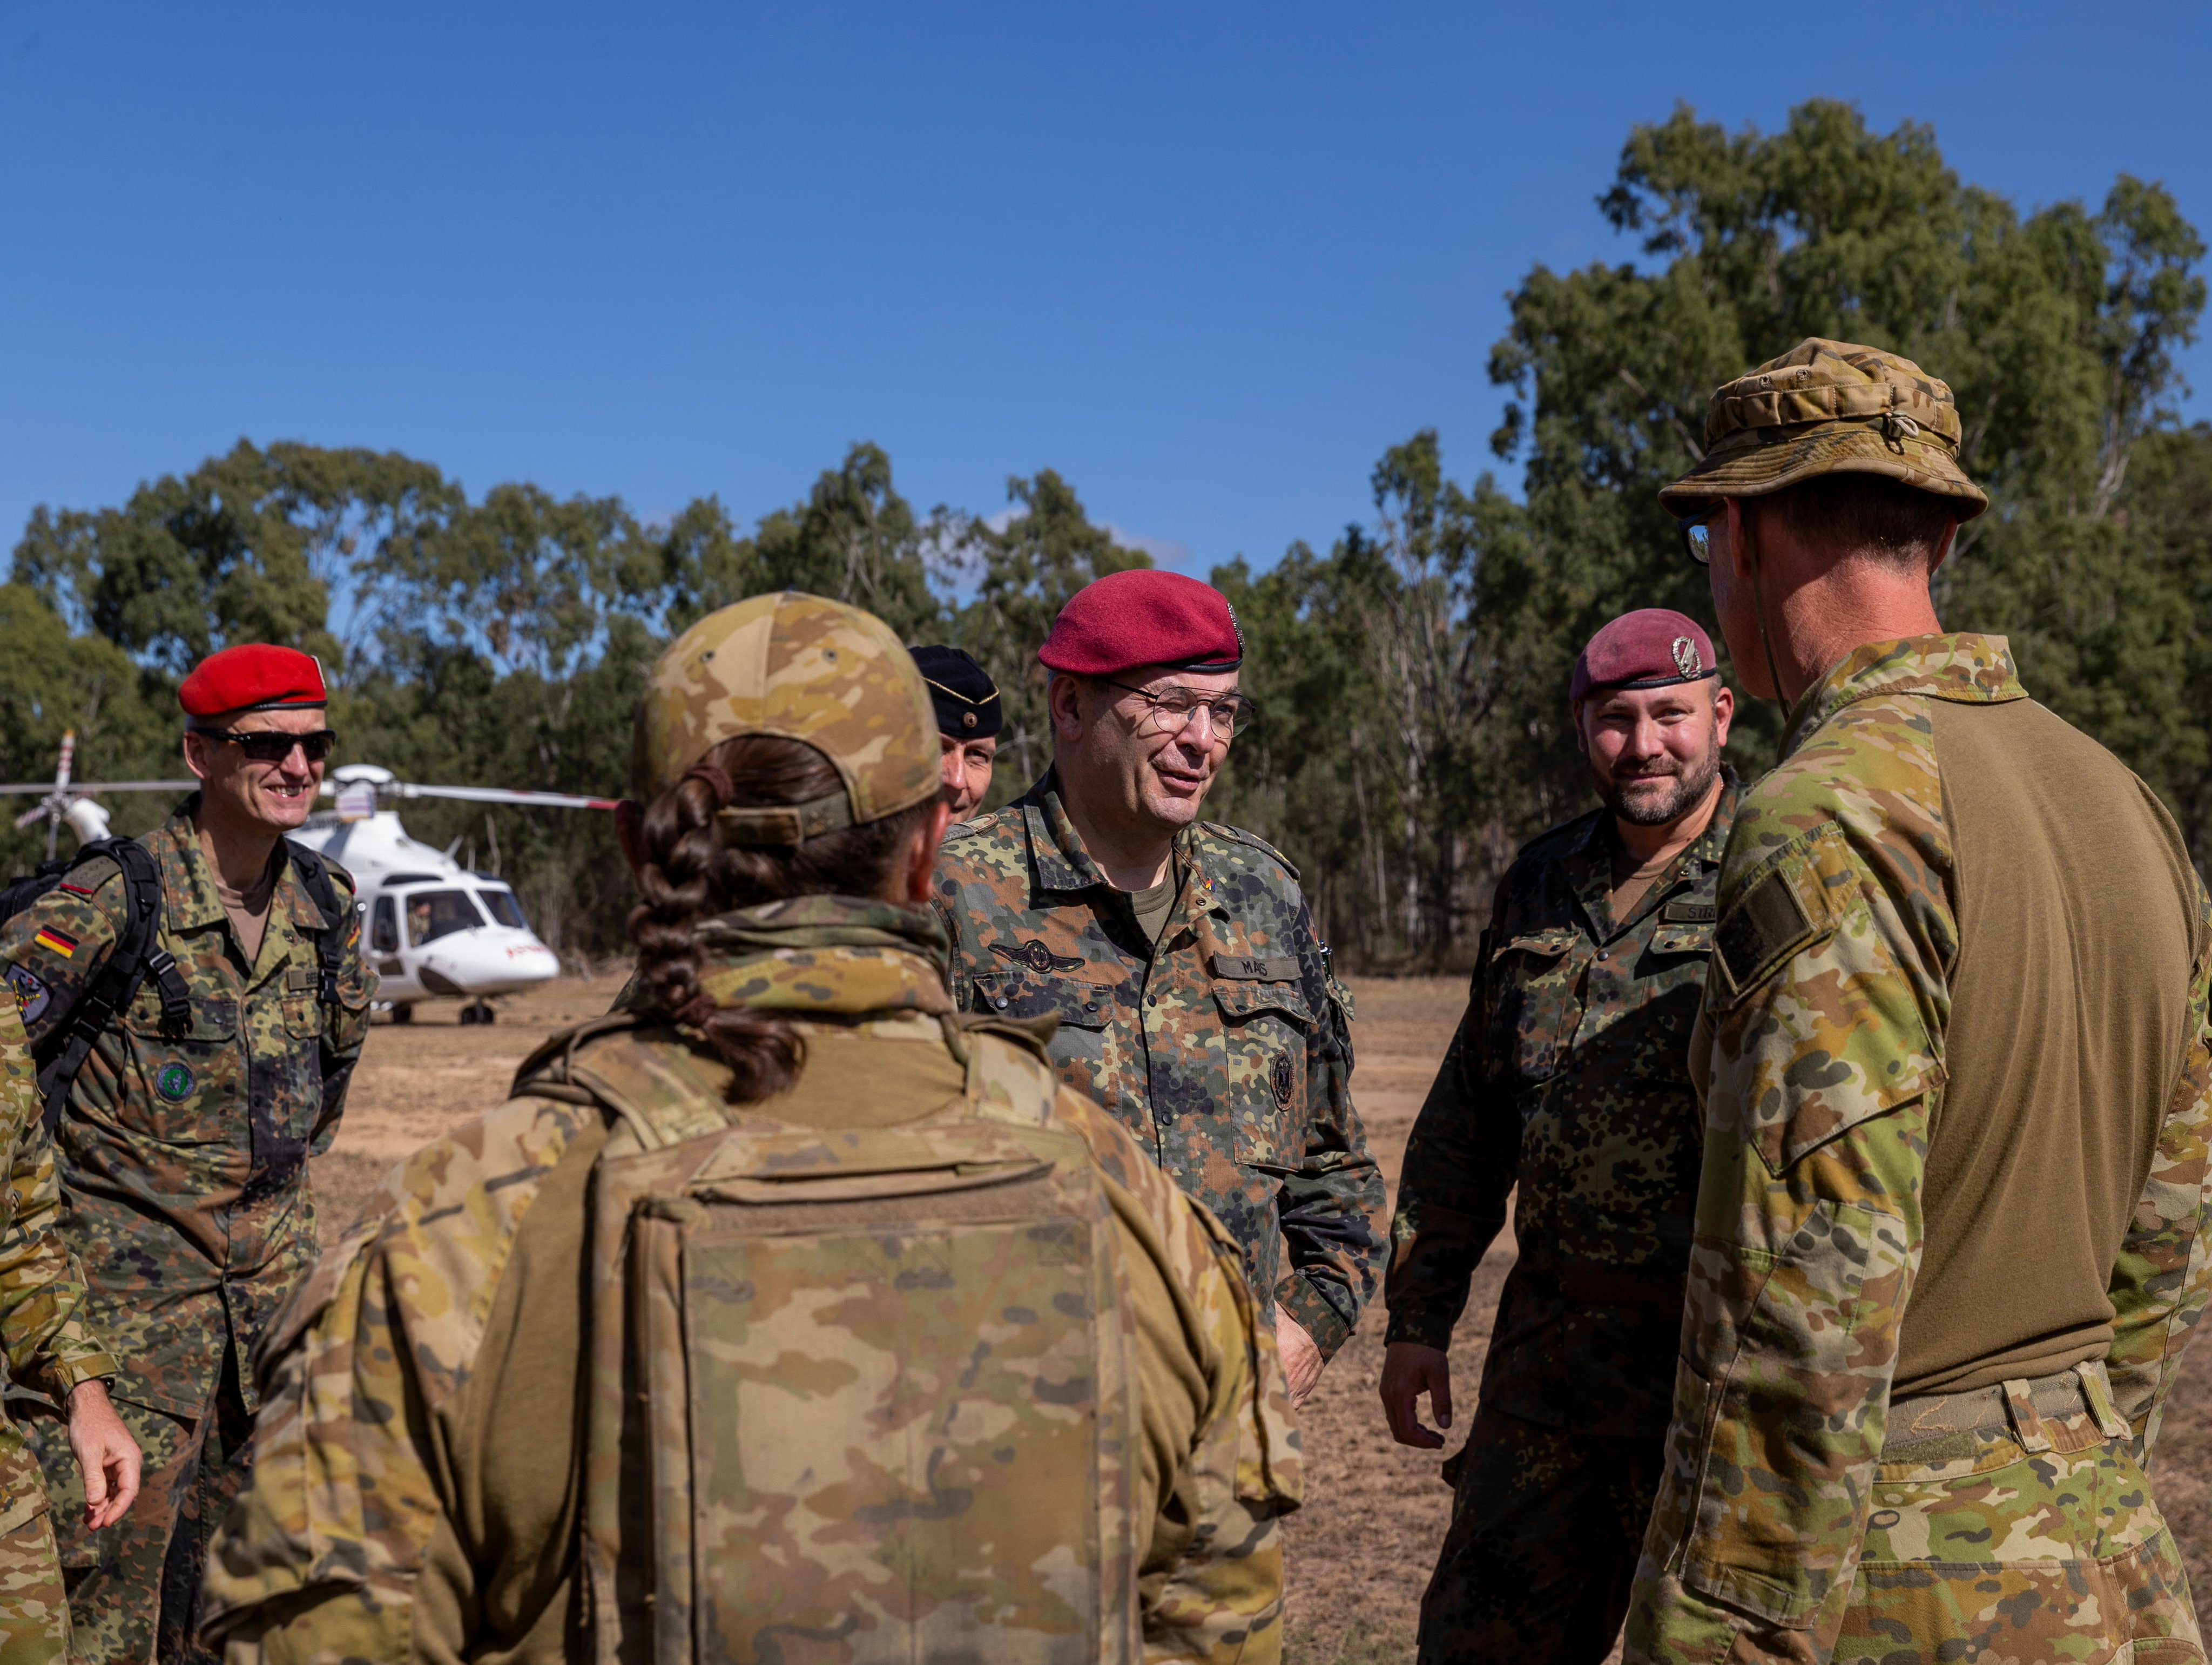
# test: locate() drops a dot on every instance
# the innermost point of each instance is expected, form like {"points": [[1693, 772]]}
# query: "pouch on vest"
{"points": [[866, 1394]]}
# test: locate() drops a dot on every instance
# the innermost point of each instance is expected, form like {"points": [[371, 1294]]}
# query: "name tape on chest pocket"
{"points": [[1278, 969], [1689, 913]]}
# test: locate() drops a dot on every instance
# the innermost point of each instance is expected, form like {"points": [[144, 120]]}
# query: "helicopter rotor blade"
{"points": [[549, 800], [82, 788]]}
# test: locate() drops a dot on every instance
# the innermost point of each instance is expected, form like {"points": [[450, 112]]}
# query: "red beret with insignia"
{"points": [[254, 676], [1650, 647], [1144, 616]]}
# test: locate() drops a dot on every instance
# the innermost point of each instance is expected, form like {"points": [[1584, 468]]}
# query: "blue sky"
{"points": [[1205, 261]]}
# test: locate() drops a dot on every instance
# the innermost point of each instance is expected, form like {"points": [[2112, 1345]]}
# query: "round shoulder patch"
{"points": [[175, 1082]]}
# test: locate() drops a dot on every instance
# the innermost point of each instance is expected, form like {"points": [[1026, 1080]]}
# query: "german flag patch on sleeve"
{"points": [[54, 942]]}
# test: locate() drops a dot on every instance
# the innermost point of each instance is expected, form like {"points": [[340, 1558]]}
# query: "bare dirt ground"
{"points": [[1361, 1548]]}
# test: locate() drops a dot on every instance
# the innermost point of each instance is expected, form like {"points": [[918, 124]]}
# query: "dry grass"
{"points": [[1361, 1548]]}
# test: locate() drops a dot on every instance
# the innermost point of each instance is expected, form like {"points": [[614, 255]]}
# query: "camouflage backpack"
{"points": [[857, 1393]]}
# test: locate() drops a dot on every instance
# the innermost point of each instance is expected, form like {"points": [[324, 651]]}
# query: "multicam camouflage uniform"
{"points": [[1225, 1048], [1949, 1240], [418, 1488], [184, 1165], [48, 1349], [1806, 1512], [1564, 1087]]}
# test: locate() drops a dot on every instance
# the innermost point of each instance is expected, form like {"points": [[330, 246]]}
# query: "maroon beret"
{"points": [[1650, 647], [254, 676], [1144, 616]]}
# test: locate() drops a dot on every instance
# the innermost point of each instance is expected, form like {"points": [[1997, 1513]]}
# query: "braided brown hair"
{"points": [[688, 871]]}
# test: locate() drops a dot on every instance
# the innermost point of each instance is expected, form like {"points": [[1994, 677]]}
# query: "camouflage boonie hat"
{"points": [[801, 668], [1829, 407]]}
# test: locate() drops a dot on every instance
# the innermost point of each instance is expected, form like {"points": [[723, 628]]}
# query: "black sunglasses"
{"points": [[1697, 536], [274, 745]]}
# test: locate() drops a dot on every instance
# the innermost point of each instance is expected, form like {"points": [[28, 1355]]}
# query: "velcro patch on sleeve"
{"points": [[1768, 924]]}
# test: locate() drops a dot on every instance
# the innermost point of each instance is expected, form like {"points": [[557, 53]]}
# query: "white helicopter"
{"points": [[432, 929]]}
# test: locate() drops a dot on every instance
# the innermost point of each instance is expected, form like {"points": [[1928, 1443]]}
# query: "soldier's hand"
{"points": [[1409, 1369], [106, 1455], [1301, 1359]]}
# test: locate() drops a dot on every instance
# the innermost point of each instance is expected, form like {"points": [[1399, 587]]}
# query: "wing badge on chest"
{"points": [[1036, 955]]}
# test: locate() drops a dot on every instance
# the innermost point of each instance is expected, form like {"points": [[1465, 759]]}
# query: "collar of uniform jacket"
{"points": [[1961, 666], [188, 893], [840, 955], [1590, 861]]}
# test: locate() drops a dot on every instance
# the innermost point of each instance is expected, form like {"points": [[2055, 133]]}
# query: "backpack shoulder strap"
{"points": [[330, 941], [666, 1095], [1010, 1076], [137, 951]]}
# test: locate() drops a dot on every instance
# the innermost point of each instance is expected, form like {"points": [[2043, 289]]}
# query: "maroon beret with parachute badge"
{"points": [[1651, 647]]}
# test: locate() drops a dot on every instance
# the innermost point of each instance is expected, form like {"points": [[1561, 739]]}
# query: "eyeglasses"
{"points": [[274, 745], [1172, 709], [1696, 535]]}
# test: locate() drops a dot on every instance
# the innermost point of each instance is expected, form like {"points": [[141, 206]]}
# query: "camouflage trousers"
{"points": [[35, 1617], [1988, 1547], [134, 1588], [1546, 1528]]}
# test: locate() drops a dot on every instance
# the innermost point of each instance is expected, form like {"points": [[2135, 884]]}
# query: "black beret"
{"points": [[966, 698]]}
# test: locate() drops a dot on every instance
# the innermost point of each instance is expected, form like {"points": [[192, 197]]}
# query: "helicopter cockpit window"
{"points": [[435, 913], [383, 927], [503, 908]]}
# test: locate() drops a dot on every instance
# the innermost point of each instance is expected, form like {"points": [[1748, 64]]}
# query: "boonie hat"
{"points": [[801, 668], [1830, 407], [967, 700], [254, 676], [1650, 647], [1144, 616]]}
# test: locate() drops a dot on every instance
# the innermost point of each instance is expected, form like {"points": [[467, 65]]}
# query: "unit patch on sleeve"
{"points": [[33, 997], [1761, 931]]}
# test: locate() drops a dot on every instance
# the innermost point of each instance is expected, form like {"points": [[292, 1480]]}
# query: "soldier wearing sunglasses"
{"points": [[1194, 999], [184, 1142]]}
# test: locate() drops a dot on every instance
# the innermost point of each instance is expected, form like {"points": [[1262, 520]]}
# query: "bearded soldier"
{"points": [[1956, 1111], [1565, 1088]]}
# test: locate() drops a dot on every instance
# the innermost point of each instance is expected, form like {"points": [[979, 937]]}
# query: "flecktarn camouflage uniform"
{"points": [[1798, 1518], [184, 1168], [1225, 1049], [838, 1513], [49, 1349], [1564, 1087]]}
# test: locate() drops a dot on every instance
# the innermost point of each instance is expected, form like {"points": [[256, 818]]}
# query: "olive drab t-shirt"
{"points": [[1153, 904], [247, 909]]}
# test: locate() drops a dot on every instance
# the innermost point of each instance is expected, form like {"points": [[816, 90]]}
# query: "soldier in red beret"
{"points": [[184, 1142], [1566, 1084], [1195, 999]]}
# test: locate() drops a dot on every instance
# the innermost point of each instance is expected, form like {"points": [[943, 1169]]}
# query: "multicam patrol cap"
{"points": [[801, 668], [1829, 407]]}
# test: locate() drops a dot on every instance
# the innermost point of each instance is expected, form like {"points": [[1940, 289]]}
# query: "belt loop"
{"points": [[2097, 1390], [2027, 1421]]}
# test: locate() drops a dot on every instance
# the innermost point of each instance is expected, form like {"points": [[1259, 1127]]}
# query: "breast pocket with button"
{"points": [[186, 1080], [1264, 1023], [1536, 1001]]}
